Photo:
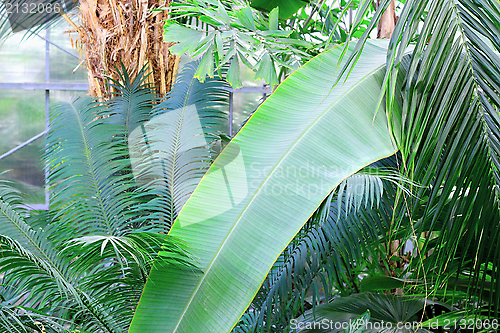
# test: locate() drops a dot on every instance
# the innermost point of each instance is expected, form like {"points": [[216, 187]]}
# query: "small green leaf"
{"points": [[209, 20], [219, 44], [228, 56], [206, 65], [223, 12], [188, 39], [246, 18], [204, 44], [273, 19], [266, 70], [233, 73], [275, 33]]}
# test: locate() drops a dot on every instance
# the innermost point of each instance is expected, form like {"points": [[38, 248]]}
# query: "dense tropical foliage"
{"points": [[82, 265], [366, 187]]}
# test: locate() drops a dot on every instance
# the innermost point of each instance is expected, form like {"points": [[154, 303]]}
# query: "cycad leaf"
{"points": [[85, 166], [132, 101], [31, 264], [170, 152], [317, 259], [12, 224], [301, 143]]}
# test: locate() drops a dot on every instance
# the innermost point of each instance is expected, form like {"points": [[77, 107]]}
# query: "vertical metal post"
{"points": [[47, 103], [231, 114]]}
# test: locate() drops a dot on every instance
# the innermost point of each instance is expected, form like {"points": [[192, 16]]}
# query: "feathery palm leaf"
{"points": [[132, 101], [451, 135], [16, 319], [448, 134], [86, 169], [170, 153], [95, 287], [32, 265], [321, 256]]}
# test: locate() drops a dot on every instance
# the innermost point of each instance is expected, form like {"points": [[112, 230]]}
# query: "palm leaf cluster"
{"points": [[449, 141], [441, 92], [82, 264]]}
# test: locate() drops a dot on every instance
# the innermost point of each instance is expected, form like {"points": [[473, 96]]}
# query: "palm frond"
{"points": [[89, 168], [170, 153], [96, 287], [451, 139], [43, 272], [17, 319], [132, 100], [448, 134], [327, 253]]}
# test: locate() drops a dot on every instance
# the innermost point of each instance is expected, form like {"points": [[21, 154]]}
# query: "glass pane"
{"points": [[64, 95], [62, 64], [25, 169], [21, 59], [22, 117], [244, 104]]}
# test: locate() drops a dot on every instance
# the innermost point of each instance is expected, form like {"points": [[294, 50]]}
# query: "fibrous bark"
{"points": [[128, 32]]}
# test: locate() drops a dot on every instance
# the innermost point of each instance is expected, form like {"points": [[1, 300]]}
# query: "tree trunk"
{"points": [[125, 31], [388, 21]]}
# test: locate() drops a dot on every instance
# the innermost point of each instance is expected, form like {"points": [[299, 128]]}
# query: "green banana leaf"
{"points": [[301, 143]]}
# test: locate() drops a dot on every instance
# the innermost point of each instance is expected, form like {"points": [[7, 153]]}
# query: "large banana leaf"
{"points": [[301, 143]]}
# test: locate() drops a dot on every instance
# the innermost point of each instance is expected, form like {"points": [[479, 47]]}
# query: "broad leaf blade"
{"points": [[286, 7], [300, 144]]}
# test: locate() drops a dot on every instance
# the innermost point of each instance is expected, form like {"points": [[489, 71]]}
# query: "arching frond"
{"points": [[132, 101], [32, 266], [170, 153], [448, 132], [328, 252], [85, 169], [17, 319]]}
